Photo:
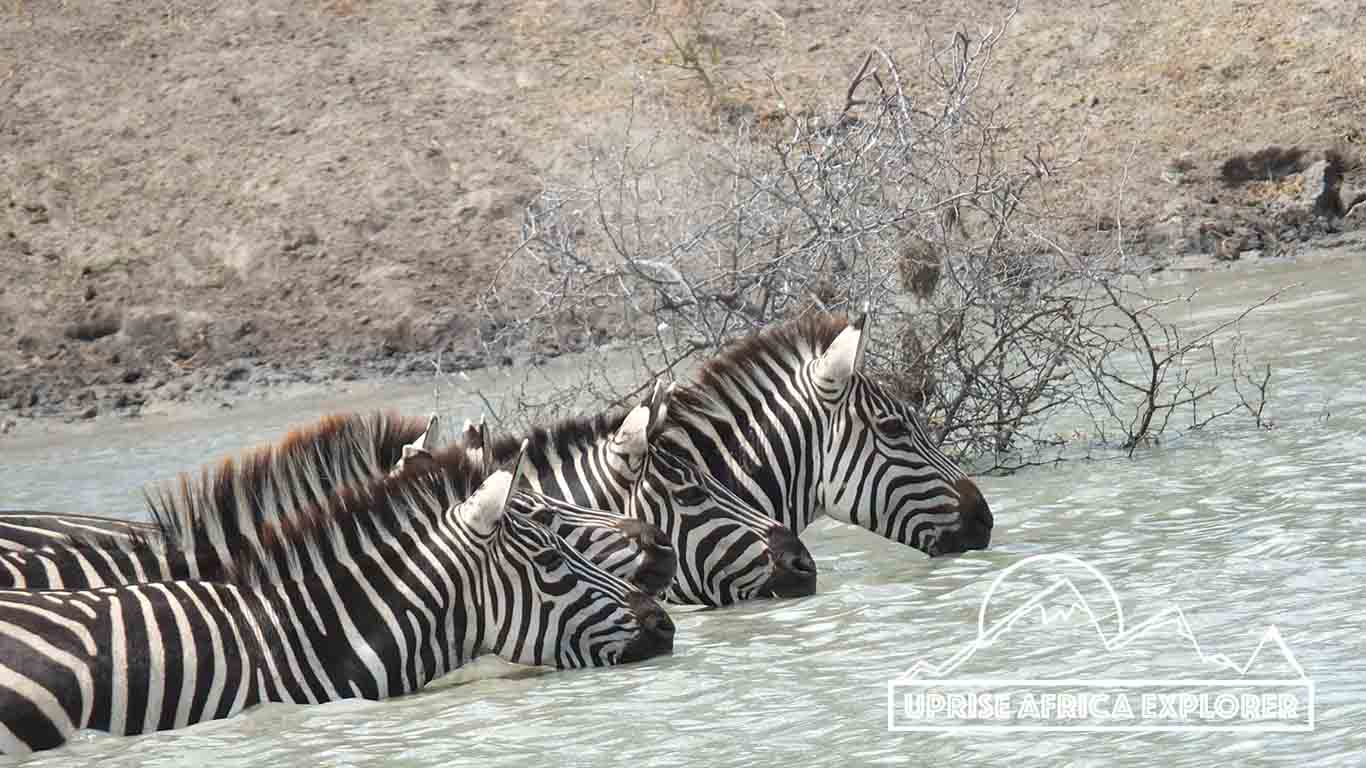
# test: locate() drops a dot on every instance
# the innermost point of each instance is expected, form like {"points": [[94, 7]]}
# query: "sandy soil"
{"points": [[199, 200]]}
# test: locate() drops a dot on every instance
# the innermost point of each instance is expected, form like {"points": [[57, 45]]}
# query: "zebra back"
{"points": [[67, 551], [45, 550]]}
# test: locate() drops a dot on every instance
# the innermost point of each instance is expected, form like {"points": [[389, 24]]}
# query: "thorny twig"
{"points": [[983, 317]]}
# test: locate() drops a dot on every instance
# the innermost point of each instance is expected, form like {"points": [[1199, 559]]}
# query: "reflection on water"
{"points": [[1241, 528]]}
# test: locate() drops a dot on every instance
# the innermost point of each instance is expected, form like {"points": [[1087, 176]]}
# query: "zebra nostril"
{"points": [[974, 526], [661, 624], [794, 570], [805, 564], [647, 535], [783, 544]]}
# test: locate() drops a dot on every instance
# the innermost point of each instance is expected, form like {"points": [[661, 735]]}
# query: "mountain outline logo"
{"points": [[1227, 698]]}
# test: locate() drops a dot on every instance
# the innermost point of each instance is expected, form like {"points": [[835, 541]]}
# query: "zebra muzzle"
{"points": [[793, 571], [658, 560], [655, 636]]}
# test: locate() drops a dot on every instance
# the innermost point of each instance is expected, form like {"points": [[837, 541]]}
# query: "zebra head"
{"points": [[545, 604], [880, 470], [628, 548], [728, 551]]}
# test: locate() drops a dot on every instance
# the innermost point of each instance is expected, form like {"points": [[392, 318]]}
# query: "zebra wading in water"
{"points": [[727, 552], [307, 465], [787, 420], [728, 546], [60, 551], [623, 546], [372, 592]]}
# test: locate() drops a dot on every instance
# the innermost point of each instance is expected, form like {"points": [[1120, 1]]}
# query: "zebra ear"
{"points": [[419, 449], [517, 472], [431, 437], [473, 436], [659, 408], [481, 444], [413, 457], [633, 434], [864, 334], [844, 356], [483, 510]]}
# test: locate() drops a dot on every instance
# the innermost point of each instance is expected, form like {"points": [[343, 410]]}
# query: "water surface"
{"points": [[1242, 528]]}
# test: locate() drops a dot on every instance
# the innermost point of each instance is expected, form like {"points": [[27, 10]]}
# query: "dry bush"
{"points": [[1266, 164], [982, 316]]}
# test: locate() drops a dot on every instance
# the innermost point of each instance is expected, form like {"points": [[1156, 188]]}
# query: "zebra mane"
{"points": [[261, 510], [794, 341], [562, 438], [800, 339]]}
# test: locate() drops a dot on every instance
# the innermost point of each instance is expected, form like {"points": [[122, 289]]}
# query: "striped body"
{"points": [[66, 551], [371, 592], [727, 552]]}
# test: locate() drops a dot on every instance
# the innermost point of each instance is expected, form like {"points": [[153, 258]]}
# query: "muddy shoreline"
{"points": [[184, 392], [239, 201]]}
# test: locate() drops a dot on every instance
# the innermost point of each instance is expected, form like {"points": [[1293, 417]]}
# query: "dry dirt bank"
{"points": [[200, 200]]}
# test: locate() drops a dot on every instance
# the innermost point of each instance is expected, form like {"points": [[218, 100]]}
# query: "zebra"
{"points": [[68, 551], [626, 547], [726, 551], [41, 550], [730, 547], [310, 462], [632, 549], [45, 550], [788, 421], [371, 592]]}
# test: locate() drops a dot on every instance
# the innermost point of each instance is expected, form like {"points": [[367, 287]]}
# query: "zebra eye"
{"points": [[549, 559], [892, 425], [691, 495]]}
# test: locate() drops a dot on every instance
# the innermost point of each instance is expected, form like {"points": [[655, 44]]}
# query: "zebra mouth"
{"points": [[974, 527], [959, 541], [656, 634], [793, 570], [793, 575]]}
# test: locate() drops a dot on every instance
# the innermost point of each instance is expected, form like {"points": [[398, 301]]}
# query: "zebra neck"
{"points": [[382, 615], [771, 464], [590, 473]]}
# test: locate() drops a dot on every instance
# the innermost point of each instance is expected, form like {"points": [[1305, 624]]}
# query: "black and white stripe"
{"points": [[628, 548], [787, 421], [726, 551], [733, 552], [66, 551], [371, 592]]}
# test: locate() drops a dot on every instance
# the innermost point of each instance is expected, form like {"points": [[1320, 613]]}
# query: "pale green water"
{"points": [[1241, 528]]}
